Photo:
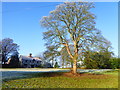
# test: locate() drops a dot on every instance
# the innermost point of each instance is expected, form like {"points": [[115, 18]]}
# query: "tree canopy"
{"points": [[8, 48]]}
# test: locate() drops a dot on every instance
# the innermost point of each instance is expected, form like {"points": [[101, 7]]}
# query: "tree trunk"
{"points": [[75, 58], [75, 66], [63, 63]]}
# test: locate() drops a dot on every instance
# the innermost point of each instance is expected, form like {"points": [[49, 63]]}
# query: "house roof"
{"points": [[29, 58]]}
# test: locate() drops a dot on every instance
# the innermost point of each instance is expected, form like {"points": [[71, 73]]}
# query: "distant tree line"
{"points": [[102, 59]]}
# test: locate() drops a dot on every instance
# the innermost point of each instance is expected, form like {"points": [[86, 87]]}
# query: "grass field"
{"points": [[65, 80]]}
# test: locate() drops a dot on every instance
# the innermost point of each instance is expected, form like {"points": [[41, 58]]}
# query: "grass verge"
{"points": [[64, 80]]}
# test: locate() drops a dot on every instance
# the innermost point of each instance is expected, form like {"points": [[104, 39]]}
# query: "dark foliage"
{"points": [[7, 47], [14, 62], [56, 65], [95, 60], [115, 63]]}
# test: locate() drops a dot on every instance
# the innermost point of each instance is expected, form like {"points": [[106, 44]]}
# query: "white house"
{"points": [[29, 61]]}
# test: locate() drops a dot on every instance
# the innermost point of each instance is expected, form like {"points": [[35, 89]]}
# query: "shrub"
{"points": [[115, 63]]}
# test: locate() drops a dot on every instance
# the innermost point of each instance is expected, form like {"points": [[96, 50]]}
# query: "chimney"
{"points": [[30, 55]]}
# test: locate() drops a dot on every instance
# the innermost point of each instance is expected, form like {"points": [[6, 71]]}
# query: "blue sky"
{"points": [[21, 22]]}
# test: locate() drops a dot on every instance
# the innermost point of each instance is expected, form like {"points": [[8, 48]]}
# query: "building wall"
{"points": [[28, 62]]}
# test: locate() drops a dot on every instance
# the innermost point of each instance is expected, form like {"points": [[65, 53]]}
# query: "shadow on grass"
{"points": [[48, 74], [40, 74], [54, 74], [35, 75]]}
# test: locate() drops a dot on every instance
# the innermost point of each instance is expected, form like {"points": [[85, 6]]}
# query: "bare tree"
{"points": [[8, 48], [72, 24], [51, 53]]}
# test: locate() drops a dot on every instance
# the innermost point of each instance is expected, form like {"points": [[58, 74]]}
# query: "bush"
{"points": [[95, 60], [78, 65], [14, 61], [40, 66], [115, 63], [5, 66], [56, 65]]}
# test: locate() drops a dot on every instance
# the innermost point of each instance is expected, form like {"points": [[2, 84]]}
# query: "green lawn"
{"points": [[65, 80]]}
